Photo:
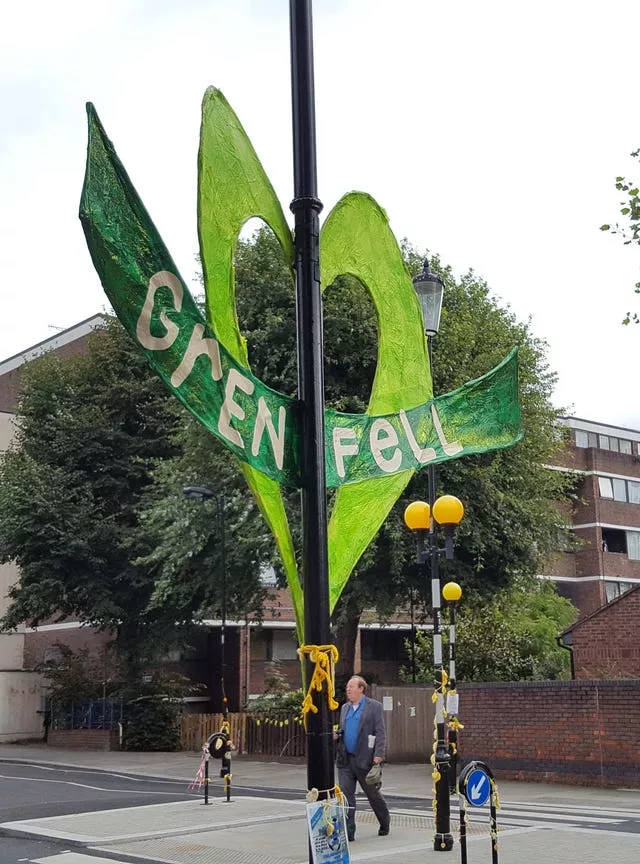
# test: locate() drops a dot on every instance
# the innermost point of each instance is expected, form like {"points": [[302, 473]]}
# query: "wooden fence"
{"points": [[408, 718], [253, 734]]}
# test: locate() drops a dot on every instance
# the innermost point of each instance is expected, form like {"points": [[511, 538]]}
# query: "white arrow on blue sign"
{"points": [[477, 788]]}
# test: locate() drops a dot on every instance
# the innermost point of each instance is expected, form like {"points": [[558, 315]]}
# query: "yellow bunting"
{"points": [[324, 657]]}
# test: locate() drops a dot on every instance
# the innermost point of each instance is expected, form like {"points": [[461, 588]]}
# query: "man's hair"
{"points": [[363, 684]]}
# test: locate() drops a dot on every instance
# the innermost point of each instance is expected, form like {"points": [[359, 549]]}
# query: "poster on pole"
{"points": [[328, 833]]}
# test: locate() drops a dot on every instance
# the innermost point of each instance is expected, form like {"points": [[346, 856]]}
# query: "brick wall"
{"points": [[579, 732], [83, 739], [36, 644]]}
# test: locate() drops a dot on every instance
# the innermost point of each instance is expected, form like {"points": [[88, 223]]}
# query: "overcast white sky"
{"points": [[491, 132]]}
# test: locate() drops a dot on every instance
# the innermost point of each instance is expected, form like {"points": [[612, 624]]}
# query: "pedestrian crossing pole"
{"points": [[452, 593]]}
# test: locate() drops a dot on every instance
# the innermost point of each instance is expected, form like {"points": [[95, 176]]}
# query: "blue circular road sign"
{"points": [[477, 787]]}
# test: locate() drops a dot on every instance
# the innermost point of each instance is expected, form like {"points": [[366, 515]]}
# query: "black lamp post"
{"points": [[201, 493], [306, 208]]}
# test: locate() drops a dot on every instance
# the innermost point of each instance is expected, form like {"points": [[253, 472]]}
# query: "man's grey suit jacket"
{"points": [[371, 724]]}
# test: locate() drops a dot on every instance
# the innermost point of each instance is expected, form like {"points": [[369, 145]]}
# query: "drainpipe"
{"points": [[568, 647]]}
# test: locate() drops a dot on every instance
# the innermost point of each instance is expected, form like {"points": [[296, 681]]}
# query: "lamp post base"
{"points": [[443, 843]]}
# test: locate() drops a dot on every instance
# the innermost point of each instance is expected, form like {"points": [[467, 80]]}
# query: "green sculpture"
{"points": [[369, 458]]}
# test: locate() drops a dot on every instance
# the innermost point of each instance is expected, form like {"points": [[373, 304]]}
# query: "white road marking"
{"points": [[565, 817], [73, 858], [94, 788]]}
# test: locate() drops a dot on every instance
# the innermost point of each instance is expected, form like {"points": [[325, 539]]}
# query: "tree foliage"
{"points": [[508, 637], [629, 231], [92, 510], [512, 524], [92, 427]]}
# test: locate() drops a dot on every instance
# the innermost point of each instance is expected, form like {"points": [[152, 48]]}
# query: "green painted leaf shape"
{"points": [[232, 188], [356, 239]]}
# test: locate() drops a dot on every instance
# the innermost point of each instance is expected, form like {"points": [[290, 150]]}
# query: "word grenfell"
{"points": [[261, 425]]}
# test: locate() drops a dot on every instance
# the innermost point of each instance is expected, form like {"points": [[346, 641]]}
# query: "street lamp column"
{"points": [[202, 493], [306, 208], [423, 520]]}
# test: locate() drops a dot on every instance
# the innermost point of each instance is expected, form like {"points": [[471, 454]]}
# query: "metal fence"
{"points": [[94, 714]]}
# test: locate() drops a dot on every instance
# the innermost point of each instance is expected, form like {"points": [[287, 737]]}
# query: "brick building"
{"points": [[606, 520], [606, 643]]}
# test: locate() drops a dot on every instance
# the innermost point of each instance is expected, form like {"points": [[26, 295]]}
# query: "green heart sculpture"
{"points": [[369, 458]]}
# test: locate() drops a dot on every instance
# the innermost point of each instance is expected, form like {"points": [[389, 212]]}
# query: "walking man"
{"points": [[362, 733]]}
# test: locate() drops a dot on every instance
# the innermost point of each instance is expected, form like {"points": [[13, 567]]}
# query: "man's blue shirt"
{"points": [[352, 726]]}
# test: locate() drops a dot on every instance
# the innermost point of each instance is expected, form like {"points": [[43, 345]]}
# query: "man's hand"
{"points": [[377, 760]]}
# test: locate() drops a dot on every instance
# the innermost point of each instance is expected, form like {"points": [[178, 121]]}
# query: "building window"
{"points": [[586, 439], [604, 442], [634, 492], [615, 587], [606, 489], [633, 545], [383, 645], [261, 644], [284, 645], [619, 490], [614, 540]]}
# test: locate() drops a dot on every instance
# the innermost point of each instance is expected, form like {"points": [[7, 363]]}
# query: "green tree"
{"points": [[184, 539], [630, 230], [92, 427], [511, 524], [508, 637], [91, 505]]}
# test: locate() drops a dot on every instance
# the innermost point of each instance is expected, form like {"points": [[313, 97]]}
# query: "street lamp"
{"points": [[429, 287], [424, 521], [202, 493]]}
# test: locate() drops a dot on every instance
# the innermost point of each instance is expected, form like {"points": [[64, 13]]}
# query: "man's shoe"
{"points": [[382, 832], [351, 838]]}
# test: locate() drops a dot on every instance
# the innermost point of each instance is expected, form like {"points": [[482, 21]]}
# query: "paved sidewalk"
{"points": [[255, 830]]}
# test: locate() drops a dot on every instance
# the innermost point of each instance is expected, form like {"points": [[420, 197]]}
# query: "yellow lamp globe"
{"points": [[417, 516], [448, 510], [452, 592]]}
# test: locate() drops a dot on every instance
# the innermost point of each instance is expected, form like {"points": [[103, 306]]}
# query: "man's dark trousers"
{"points": [[348, 776]]}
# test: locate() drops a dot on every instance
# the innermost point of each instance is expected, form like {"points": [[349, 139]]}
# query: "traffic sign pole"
{"points": [[477, 786]]}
